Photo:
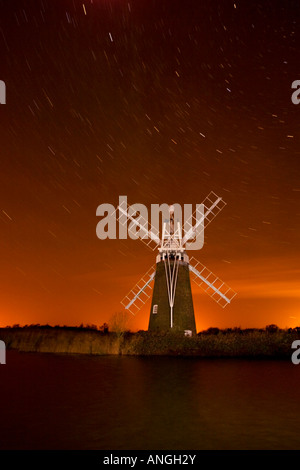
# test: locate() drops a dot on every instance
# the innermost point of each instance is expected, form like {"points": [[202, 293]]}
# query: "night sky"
{"points": [[162, 101]]}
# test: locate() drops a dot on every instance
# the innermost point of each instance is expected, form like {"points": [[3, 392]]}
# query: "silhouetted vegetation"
{"points": [[103, 328], [269, 342]]}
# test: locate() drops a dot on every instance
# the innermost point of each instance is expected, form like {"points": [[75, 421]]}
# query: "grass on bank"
{"points": [[270, 342]]}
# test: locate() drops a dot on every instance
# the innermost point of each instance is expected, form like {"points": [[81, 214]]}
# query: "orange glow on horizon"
{"points": [[264, 296]]}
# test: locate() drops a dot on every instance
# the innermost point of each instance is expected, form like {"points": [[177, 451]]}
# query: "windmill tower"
{"points": [[172, 303]]}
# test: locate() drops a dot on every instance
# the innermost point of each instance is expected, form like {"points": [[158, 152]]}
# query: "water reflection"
{"points": [[81, 402]]}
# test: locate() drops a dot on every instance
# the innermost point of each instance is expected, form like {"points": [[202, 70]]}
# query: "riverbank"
{"points": [[73, 340]]}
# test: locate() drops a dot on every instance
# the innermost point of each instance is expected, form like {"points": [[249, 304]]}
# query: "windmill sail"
{"points": [[141, 292], [148, 236], [201, 218], [217, 289]]}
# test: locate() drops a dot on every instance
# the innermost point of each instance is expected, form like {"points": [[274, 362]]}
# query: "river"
{"points": [[82, 402]]}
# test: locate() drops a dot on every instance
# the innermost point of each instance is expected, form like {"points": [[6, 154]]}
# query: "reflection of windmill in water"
{"points": [[172, 303]]}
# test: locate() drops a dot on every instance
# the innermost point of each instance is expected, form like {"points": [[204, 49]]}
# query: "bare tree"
{"points": [[119, 322]]}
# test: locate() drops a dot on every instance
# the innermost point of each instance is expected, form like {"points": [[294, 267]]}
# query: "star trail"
{"points": [[162, 101]]}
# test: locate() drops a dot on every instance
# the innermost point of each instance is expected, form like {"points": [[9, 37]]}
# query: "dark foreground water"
{"points": [[81, 402]]}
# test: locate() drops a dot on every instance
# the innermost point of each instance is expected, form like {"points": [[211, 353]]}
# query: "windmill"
{"points": [[172, 303]]}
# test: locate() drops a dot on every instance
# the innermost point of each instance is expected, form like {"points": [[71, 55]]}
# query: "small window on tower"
{"points": [[155, 308]]}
